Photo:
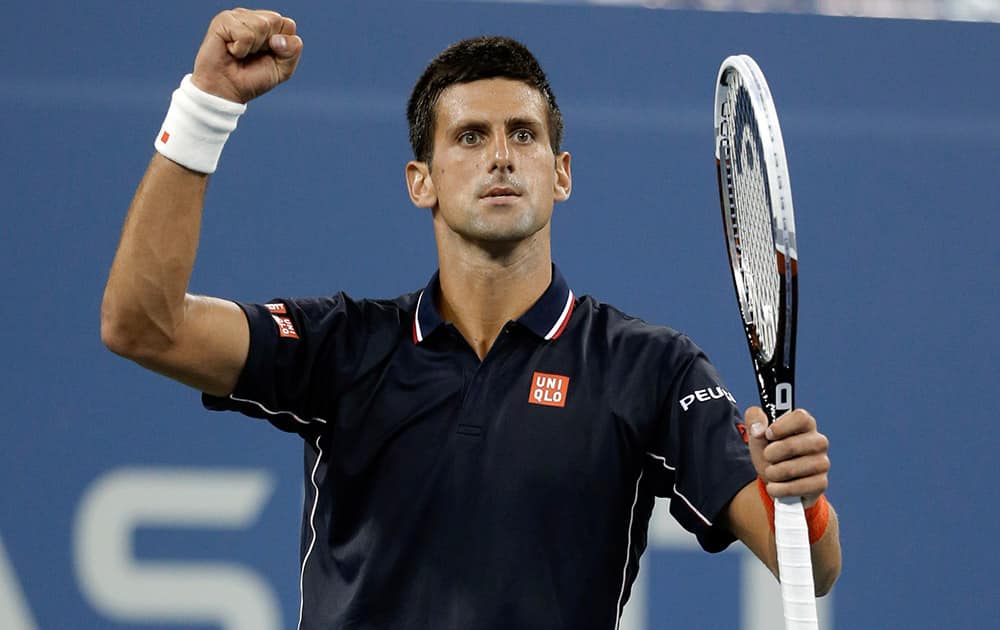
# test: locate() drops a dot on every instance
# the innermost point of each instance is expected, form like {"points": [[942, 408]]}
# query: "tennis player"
{"points": [[483, 452]]}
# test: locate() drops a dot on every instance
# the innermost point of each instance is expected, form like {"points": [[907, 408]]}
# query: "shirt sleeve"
{"points": [[301, 352], [699, 458]]}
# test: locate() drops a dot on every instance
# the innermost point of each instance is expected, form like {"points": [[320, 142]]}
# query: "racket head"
{"points": [[759, 224]]}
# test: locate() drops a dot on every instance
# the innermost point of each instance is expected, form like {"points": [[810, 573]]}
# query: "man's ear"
{"points": [[420, 185], [563, 185]]}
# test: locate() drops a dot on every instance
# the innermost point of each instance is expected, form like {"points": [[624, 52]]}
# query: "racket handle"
{"points": [[791, 536]]}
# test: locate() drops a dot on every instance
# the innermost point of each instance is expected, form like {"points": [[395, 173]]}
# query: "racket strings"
{"points": [[751, 221]]}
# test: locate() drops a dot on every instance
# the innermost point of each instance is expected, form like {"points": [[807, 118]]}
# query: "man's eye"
{"points": [[469, 137], [523, 135]]}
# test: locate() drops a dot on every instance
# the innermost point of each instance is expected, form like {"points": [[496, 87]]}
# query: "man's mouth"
{"points": [[501, 192]]}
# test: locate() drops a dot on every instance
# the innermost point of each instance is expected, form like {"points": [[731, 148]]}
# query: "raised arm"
{"points": [[147, 314]]}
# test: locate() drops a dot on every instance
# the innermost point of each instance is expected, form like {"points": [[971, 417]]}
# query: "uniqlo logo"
{"points": [[276, 308], [548, 389], [285, 327], [164, 137]]}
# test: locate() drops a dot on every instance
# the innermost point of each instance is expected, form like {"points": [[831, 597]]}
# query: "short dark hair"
{"points": [[470, 60]]}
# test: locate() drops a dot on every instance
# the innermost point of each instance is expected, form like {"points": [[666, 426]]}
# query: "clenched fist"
{"points": [[246, 53]]}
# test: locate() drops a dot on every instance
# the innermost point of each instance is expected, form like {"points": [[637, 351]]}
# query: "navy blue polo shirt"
{"points": [[443, 492]]}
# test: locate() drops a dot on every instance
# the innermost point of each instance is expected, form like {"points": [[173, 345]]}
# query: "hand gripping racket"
{"points": [[760, 234]]}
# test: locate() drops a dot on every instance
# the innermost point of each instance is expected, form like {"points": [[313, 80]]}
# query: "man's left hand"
{"points": [[790, 455]]}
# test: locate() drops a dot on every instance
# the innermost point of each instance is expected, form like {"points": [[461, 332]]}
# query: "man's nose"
{"points": [[501, 155]]}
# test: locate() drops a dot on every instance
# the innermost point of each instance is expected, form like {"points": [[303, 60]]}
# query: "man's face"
{"points": [[494, 177]]}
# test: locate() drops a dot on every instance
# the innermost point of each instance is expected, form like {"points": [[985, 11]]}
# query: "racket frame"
{"points": [[775, 373]]}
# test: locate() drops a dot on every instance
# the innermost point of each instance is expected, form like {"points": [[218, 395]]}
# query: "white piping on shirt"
{"points": [[628, 553], [663, 461], [559, 322], [277, 413], [312, 527]]}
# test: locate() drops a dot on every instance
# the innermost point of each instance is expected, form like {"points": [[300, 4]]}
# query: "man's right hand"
{"points": [[246, 53]]}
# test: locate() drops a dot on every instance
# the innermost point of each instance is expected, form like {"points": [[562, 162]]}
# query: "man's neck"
{"points": [[480, 293]]}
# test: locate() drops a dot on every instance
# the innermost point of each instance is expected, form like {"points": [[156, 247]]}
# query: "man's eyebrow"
{"points": [[522, 121], [468, 123], [480, 124]]}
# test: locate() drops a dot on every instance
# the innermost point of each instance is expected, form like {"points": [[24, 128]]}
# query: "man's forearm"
{"points": [[826, 560], [145, 294], [747, 518]]}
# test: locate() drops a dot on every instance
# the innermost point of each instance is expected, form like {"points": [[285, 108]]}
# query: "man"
{"points": [[484, 453]]}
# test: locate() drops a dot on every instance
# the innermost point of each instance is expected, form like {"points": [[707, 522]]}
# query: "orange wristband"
{"points": [[767, 500], [817, 517]]}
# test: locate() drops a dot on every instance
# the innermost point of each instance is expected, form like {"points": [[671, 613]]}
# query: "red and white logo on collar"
{"points": [[548, 389]]}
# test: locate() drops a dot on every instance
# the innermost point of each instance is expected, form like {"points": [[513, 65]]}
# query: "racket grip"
{"points": [[791, 536]]}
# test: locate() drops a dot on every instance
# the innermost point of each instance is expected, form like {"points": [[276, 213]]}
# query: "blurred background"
{"points": [[124, 505]]}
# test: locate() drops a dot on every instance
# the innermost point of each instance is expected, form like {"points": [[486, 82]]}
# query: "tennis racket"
{"points": [[760, 235]]}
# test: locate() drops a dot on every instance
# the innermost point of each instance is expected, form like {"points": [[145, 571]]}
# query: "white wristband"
{"points": [[196, 127]]}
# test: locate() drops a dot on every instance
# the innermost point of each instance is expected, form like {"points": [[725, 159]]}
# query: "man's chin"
{"points": [[504, 234]]}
